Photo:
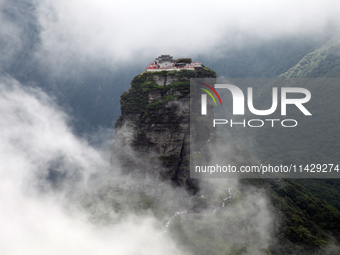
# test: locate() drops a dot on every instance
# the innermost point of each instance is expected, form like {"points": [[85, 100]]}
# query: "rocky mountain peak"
{"points": [[152, 133]]}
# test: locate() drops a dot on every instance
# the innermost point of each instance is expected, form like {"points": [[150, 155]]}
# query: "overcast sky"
{"points": [[125, 31], [34, 133]]}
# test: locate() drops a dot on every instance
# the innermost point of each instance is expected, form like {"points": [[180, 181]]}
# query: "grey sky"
{"points": [[125, 31], [34, 133]]}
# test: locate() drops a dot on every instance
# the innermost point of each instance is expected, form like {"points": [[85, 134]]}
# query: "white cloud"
{"points": [[34, 135], [36, 219], [125, 31]]}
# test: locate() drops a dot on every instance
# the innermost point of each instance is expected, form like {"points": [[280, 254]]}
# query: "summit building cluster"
{"points": [[167, 63]]}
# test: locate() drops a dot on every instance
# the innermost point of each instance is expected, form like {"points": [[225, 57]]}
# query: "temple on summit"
{"points": [[167, 63]]}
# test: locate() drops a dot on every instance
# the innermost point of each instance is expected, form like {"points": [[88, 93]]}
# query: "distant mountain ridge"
{"points": [[311, 209], [322, 62]]}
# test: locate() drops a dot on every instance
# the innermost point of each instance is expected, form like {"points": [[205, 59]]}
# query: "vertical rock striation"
{"points": [[152, 133]]}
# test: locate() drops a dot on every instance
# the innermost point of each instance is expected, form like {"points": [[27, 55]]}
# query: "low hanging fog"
{"points": [[58, 193]]}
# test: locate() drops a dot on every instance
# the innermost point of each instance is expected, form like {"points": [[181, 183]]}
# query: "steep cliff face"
{"points": [[152, 133]]}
